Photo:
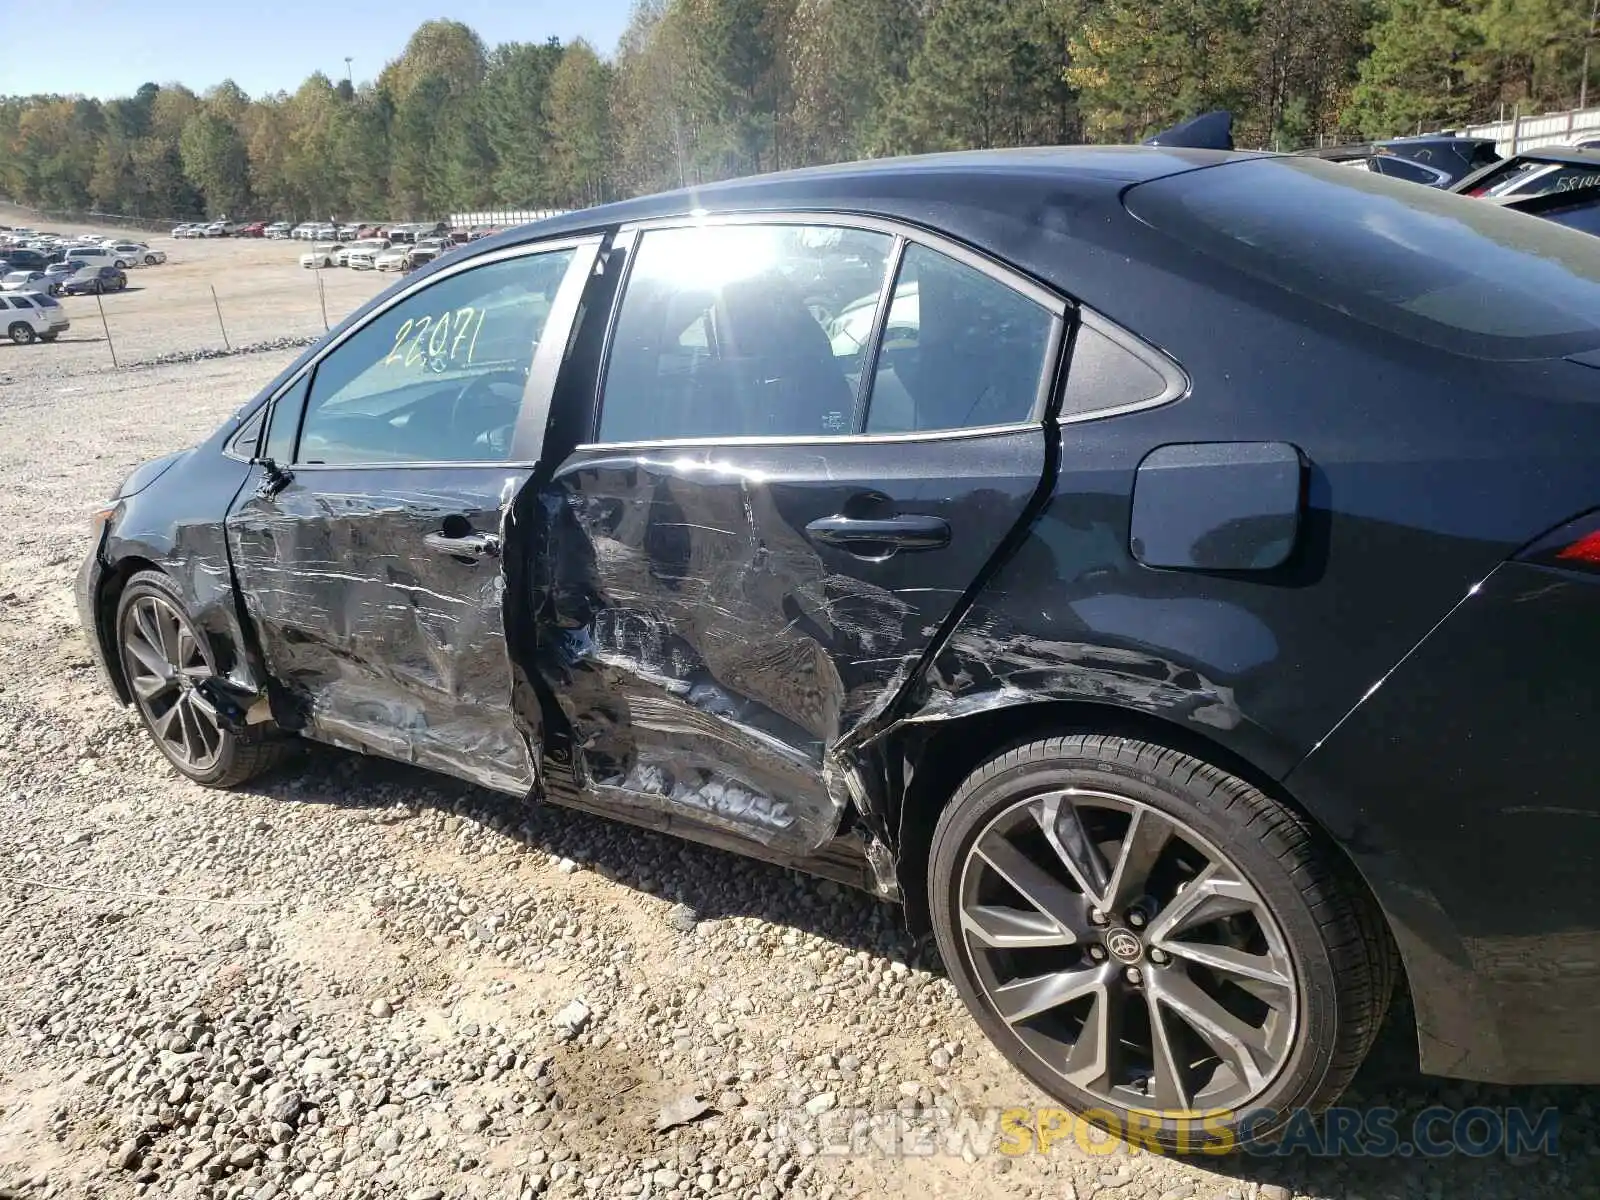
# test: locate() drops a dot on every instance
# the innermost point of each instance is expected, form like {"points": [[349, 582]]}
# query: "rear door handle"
{"points": [[467, 545], [911, 531]]}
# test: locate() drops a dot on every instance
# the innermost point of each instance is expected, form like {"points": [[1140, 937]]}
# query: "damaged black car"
{"points": [[1174, 575]]}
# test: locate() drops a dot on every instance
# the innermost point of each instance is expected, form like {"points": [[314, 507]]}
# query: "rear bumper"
{"points": [[1463, 788]]}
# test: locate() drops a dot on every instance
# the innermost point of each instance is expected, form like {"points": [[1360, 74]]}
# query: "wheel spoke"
{"points": [[999, 928], [1167, 1086], [1033, 883], [205, 729], [1063, 828], [190, 661], [148, 687], [1216, 893], [1259, 968], [1089, 1062], [149, 657], [1026, 998], [1240, 1045], [164, 723], [1147, 836]]}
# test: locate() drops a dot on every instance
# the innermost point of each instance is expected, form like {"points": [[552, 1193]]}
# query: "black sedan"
{"points": [[1196, 629], [94, 280]]}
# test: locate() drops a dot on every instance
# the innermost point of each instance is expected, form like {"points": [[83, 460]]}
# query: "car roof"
{"points": [[884, 185]]}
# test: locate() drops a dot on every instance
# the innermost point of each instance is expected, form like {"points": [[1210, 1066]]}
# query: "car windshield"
{"points": [[1457, 273]]}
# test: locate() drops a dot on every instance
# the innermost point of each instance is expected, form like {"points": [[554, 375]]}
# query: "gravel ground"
{"points": [[359, 980]]}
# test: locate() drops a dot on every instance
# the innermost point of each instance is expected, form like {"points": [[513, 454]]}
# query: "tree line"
{"points": [[699, 90]]}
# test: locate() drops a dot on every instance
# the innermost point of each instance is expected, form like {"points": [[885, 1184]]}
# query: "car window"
{"points": [[1441, 269], [1582, 214], [285, 422], [1399, 168], [732, 331], [21, 302], [961, 350], [438, 377]]}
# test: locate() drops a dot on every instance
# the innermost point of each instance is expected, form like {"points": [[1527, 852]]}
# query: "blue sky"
{"points": [[108, 48]]}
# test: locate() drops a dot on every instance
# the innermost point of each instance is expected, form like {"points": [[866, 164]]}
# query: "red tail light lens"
{"points": [[1575, 546]]}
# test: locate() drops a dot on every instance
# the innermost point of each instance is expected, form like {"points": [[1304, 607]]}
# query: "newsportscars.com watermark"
{"points": [[1014, 1132]]}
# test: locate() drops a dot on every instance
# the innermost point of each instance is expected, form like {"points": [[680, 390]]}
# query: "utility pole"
{"points": [[1588, 45], [350, 78]]}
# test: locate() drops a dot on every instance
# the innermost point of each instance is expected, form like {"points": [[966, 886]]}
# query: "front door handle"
{"points": [[910, 531], [472, 546]]}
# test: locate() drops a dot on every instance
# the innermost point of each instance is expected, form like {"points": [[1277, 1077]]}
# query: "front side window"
{"points": [[438, 377], [743, 331], [961, 350]]}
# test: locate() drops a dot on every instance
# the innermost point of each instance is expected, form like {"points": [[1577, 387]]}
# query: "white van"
{"points": [[98, 256]]}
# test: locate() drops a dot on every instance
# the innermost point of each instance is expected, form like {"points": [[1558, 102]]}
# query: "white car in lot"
{"points": [[25, 281], [31, 316], [363, 255], [278, 229], [97, 256], [136, 254], [366, 248], [320, 255], [392, 259]]}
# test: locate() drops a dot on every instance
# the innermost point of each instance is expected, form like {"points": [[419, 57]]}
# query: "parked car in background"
{"points": [[20, 258], [30, 316], [1575, 207], [278, 229], [1433, 160], [364, 248], [420, 256], [254, 229], [26, 281], [320, 255], [303, 231], [1534, 173], [94, 280], [135, 254], [392, 259], [57, 272], [362, 255], [1060, 626], [97, 255]]}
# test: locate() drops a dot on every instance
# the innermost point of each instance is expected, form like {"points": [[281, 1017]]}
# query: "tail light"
{"points": [[1575, 546]]}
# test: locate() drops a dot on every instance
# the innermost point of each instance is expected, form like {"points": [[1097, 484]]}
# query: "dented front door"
{"points": [[369, 550]]}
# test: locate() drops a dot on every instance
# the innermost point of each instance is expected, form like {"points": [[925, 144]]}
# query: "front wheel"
{"points": [[163, 658], [1155, 942], [21, 333], [149, 260]]}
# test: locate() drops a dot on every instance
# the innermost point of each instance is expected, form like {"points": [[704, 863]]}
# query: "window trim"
{"points": [[307, 370], [1175, 378], [905, 234]]}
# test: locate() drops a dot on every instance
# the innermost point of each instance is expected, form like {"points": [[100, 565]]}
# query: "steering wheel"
{"points": [[488, 397]]}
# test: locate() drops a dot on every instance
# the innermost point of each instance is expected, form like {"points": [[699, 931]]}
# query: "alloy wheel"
{"points": [[1127, 953], [164, 661]]}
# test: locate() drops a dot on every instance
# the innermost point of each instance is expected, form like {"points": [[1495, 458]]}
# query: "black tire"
{"points": [[149, 260], [22, 333], [241, 756], [1342, 958]]}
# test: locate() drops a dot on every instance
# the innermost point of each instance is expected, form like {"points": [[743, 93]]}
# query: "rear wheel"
{"points": [[163, 657], [21, 333], [1151, 939], [149, 260]]}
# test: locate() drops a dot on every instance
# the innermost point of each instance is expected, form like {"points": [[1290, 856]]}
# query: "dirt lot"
{"points": [[359, 980]]}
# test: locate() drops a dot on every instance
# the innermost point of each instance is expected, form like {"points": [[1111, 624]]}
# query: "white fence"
{"points": [[1547, 129], [502, 217]]}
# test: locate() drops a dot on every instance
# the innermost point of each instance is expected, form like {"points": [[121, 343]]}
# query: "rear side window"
{"points": [[743, 331], [20, 302], [1461, 274], [960, 350]]}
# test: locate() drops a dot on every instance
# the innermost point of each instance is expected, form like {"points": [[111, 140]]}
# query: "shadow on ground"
{"points": [[717, 884]]}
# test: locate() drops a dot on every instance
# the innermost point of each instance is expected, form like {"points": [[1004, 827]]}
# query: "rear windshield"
{"points": [[1461, 274]]}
